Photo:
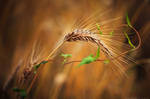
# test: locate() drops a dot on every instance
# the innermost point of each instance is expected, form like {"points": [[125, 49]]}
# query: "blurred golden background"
{"points": [[30, 29]]}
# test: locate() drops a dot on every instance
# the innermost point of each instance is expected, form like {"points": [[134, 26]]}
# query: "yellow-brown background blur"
{"points": [[24, 22]]}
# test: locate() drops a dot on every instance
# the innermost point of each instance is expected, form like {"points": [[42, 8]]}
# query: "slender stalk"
{"points": [[47, 58], [50, 55]]}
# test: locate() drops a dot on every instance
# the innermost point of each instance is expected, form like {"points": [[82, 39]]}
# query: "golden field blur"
{"points": [[31, 30]]}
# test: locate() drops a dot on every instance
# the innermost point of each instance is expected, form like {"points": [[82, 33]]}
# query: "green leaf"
{"points": [[16, 89], [128, 21], [90, 58], [129, 41], [44, 62], [66, 55], [106, 61], [98, 53], [87, 60], [38, 65], [100, 32], [22, 92], [36, 68], [111, 33], [98, 28]]}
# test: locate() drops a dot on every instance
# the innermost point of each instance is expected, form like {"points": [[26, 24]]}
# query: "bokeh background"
{"points": [[29, 30]]}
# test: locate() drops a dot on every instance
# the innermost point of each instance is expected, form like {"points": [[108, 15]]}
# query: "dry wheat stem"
{"points": [[86, 37], [47, 58], [74, 37]]}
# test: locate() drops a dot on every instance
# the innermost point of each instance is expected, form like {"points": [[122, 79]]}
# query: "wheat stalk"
{"points": [[86, 35]]}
